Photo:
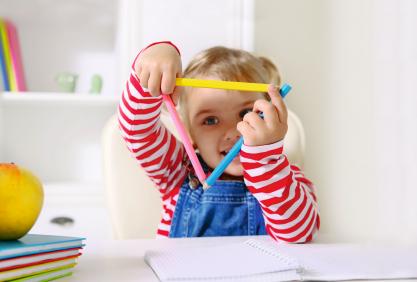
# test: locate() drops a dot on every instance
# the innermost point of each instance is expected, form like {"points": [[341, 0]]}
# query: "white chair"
{"points": [[134, 203]]}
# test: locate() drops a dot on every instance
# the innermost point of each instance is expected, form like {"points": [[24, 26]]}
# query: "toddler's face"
{"points": [[213, 115]]}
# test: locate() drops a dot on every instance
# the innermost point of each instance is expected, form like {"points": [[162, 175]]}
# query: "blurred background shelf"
{"points": [[57, 135], [73, 36], [54, 98]]}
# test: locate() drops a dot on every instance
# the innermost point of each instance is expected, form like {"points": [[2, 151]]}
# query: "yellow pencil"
{"points": [[227, 85]]}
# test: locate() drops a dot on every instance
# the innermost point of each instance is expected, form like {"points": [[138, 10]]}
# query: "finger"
{"points": [[177, 90], [154, 83], [176, 95], [144, 78], [245, 129], [168, 81], [278, 102], [253, 119], [270, 113], [138, 69]]}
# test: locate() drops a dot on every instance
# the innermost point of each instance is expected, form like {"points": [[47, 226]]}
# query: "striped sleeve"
{"points": [[286, 196], [157, 151]]}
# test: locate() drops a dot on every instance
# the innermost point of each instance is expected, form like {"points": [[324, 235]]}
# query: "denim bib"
{"points": [[226, 209]]}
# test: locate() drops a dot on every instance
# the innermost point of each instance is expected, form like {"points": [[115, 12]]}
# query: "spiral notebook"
{"points": [[265, 260], [237, 261]]}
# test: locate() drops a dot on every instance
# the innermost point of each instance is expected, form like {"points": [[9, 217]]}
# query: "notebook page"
{"points": [[244, 261], [353, 261]]}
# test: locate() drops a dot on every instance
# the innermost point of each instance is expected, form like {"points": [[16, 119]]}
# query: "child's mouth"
{"points": [[225, 152]]}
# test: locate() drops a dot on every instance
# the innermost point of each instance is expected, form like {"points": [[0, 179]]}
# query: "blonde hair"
{"points": [[231, 65]]}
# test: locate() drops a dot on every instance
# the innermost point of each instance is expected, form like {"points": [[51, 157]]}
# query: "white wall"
{"points": [[323, 49], [191, 25]]}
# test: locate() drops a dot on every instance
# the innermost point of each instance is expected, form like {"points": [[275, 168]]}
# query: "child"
{"points": [[259, 192]]}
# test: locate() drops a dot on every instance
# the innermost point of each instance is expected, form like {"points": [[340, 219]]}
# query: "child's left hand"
{"points": [[272, 128]]}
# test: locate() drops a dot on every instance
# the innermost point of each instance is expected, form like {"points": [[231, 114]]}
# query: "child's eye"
{"points": [[210, 121], [244, 112]]}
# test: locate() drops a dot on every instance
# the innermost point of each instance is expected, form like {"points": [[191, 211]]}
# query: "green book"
{"points": [[47, 275], [36, 269]]}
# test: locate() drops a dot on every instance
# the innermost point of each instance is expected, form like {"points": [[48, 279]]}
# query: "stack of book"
{"points": [[11, 69], [39, 257]]}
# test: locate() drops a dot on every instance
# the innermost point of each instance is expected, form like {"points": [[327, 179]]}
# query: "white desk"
{"points": [[123, 260]]}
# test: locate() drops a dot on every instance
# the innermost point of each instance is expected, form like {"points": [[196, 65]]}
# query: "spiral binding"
{"points": [[269, 249]]}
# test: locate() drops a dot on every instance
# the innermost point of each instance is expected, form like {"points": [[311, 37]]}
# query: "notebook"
{"points": [[37, 243], [266, 260], [333, 262], [237, 261]]}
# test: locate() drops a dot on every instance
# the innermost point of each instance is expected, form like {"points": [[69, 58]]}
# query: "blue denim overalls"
{"points": [[226, 209]]}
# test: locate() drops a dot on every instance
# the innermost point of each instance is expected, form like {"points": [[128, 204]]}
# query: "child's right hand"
{"points": [[157, 68]]}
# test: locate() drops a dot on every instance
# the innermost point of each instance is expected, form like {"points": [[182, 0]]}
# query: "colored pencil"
{"points": [[227, 85], [185, 139]]}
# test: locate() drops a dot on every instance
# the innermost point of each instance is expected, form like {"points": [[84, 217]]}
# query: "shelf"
{"points": [[42, 98], [76, 36], [57, 135]]}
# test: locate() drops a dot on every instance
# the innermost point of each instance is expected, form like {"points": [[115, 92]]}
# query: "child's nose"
{"points": [[232, 134]]}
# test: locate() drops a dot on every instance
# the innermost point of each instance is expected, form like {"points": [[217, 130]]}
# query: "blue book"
{"points": [[37, 243]]}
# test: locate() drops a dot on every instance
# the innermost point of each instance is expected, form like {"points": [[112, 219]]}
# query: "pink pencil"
{"points": [[185, 140]]}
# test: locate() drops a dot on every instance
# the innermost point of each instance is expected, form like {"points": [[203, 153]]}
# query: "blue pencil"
{"points": [[234, 151]]}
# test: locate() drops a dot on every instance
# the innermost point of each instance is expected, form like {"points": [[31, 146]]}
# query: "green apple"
{"points": [[21, 200]]}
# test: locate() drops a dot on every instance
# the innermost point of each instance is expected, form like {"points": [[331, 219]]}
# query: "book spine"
{"points": [[6, 52], [3, 66], [16, 59]]}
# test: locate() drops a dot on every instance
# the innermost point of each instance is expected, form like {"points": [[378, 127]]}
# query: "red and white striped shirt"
{"points": [[286, 196]]}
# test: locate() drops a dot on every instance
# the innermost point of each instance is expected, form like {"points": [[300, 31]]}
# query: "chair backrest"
{"points": [[133, 201]]}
